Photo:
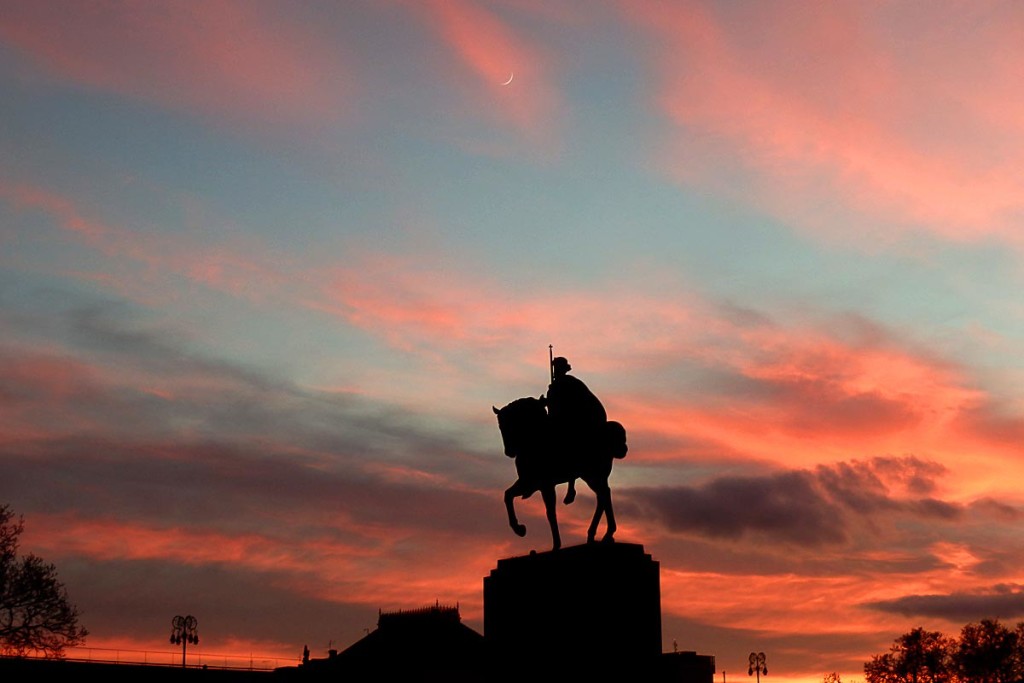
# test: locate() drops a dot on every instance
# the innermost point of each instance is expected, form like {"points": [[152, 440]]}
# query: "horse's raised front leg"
{"points": [[510, 493], [548, 494]]}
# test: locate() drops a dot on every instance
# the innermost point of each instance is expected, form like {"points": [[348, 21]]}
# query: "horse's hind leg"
{"points": [[510, 493], [548, 494], [592, 530], [609, 516], [604, 505], [570, 495]]}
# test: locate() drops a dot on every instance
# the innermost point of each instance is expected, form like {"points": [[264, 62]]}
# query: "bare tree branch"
{"points": [[35, 613]]}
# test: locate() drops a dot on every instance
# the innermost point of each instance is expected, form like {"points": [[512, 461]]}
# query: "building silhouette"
{"points": [[408, 645], [592, 610]]}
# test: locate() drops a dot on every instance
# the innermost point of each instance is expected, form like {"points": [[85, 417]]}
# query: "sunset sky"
{"points": [[266, 266]]}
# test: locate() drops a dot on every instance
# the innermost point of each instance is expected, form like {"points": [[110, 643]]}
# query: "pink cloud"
{"points": [[491, 50], [40, 391], [225, 59], [423, 307], [832, 116], [141, 261], [67, 214], [49, 378]]}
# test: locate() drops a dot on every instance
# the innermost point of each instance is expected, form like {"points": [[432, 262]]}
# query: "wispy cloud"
{"points": [[861, 133], [491, 50], [61, 208], [140, 261], [241, 63]]}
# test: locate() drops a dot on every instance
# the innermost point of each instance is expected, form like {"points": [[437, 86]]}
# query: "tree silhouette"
{"points": [[988, 652], [35, 614], [916, 657]]}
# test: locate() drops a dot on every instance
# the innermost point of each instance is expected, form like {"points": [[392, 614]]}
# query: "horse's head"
{"points": [[520, 423]]}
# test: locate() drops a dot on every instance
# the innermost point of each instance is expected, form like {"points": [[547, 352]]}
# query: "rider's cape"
{"points": [[580, 422], [572, 406]]}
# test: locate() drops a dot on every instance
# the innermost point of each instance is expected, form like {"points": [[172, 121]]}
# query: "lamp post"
{"points": [[757, 665], [183, 632]]}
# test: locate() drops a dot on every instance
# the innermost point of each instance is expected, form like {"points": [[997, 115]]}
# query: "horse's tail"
{"points": [[615, 439]]}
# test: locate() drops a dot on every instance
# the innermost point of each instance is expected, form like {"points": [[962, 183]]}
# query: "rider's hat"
{"points": [[560, 363]]}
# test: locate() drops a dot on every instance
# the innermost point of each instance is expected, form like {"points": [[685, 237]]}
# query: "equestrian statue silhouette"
{"points": [[557, 439]]}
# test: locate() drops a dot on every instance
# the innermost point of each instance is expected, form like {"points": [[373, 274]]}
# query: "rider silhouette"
{"points": [[577, 416]]}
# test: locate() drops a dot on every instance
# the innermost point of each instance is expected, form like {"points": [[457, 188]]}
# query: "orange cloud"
{"points": [[827, 116], [114, 540], [394, 570], [744, 388], [799, 397]]}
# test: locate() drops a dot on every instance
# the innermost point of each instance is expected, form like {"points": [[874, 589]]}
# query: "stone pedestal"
{"points": [[597, 604]]}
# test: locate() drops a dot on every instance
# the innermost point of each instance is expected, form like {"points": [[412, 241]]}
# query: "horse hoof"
{"points": [[590, 538], [608, 539], [519, 529], [569, 497]]}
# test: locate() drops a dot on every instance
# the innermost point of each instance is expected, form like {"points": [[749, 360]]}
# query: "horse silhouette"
{"points": [[544, 460]]}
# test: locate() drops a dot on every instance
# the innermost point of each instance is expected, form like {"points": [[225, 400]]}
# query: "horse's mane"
{"points": [[523, 407], [526, 403], [523, 413]]}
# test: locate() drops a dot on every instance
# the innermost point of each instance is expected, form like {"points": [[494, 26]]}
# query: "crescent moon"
{"points": [[510, 77]]}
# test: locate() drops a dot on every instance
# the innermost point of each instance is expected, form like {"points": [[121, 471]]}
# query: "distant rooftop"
{"points": [[436, 613]]}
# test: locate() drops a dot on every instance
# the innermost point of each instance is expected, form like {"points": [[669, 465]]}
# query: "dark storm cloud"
{"points": [[808, 508], [1003, 602]]}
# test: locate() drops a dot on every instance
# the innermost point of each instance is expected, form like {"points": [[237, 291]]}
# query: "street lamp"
{"points": [[183, 632], [757, 665]]}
